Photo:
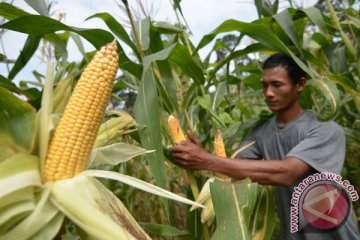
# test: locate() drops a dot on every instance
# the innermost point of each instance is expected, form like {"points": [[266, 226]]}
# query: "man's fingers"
{"points": [[193, 139], [178, 147], [191, 136], [177, 161]]}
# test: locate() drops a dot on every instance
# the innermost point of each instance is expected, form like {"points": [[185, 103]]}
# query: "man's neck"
{"points": [[288, 115]]}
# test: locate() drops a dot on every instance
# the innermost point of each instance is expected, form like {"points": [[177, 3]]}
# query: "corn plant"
{"points": [[169, 77], [48, 189]]}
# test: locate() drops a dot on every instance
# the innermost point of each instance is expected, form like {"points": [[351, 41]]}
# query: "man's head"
{"points": [[281, 60], [283, 81]]}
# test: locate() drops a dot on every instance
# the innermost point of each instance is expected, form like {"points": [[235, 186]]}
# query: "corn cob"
{"points": [[219, 147], [176, 132], [74, 137], [177, 135]]}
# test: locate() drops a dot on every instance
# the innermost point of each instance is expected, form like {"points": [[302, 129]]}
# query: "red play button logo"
{"points": [[325, 206]]}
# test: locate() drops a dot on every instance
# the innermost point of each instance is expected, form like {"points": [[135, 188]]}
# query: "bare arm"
{"points": [[270, 172]]}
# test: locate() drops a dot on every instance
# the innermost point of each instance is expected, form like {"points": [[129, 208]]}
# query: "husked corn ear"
{"points": [[219, 147], [176, 132], [74, 137]]}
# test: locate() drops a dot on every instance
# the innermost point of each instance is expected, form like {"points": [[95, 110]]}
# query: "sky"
{"points": [[202, 17]]}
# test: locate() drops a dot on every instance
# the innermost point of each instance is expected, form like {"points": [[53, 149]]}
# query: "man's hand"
{"points": [[191, 154], [193, 139]]}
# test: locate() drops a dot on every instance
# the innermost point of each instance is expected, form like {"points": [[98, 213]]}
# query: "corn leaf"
{"points": [[257, 31], [30, 47], [51, 229], [11, 12], [95, 209], [44, 124], [16, 121], [7, 151], [37, 220], [204, 198], [13, 213], [117, 29], [176, 5], [163, 230], [165, 78], [180, 55], [315, 16], [79, 45], [330, 93], [348, 85], [205, 102], [20, 195], [112, 129], [264, 214], [158, 56], [59, 41], [256, 47], [40, 25], [219, 95], [188, 64], [147, 114], [204, 194], [208, 214], [254, 30], [285, 21], [17, 172], [15, 206], [61, 95], [137, 183], [233, 204], [142, 28], [39, 6], [167, 28], [266, 8], [126, 64], [116, 153]]}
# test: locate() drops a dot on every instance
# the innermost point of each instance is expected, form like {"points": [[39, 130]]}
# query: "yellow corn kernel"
{"points": [[176, 132], [219, 147], [82, 116]]}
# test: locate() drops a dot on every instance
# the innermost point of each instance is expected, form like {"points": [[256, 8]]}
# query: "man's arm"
{"points": [[271, 172]]}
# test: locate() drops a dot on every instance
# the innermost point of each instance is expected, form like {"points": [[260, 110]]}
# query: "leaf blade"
{"points": [[95, 209]]}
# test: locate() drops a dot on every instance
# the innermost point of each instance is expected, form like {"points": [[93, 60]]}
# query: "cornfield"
{"points": [[78, 141]]}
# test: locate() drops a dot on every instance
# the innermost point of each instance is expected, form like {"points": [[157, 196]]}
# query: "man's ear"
{"points": [[301, 84]]}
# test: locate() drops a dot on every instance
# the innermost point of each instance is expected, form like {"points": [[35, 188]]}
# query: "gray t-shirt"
{"points": [[320, 144]]}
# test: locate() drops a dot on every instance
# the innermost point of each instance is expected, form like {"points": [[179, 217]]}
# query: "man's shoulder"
{"points": [[262, 126], [316, 123]]}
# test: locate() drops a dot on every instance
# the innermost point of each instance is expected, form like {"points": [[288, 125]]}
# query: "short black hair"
{"points": [[280, 59]]}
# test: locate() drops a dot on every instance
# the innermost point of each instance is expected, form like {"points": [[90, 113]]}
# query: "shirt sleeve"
{"points": [[323, 149], [252, 151]]}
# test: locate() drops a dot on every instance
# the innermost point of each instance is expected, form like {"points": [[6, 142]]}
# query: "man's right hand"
{"points": [[193, 139], [191, 154]]}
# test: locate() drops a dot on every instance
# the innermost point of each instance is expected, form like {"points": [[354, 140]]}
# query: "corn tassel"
{"points": [[74, 137], [176, 132]]}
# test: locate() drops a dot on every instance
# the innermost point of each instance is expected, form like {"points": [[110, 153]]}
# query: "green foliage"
{"points": [[233, 204], [167, 76], [16, 121]]}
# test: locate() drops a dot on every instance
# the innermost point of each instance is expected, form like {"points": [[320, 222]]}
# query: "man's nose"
{"points": [[268, 92]]}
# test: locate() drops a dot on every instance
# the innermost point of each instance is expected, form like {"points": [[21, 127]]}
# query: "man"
{"points": [[294, 144]]}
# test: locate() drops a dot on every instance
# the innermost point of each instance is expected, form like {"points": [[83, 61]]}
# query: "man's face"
{"points": [[280, 93]]}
